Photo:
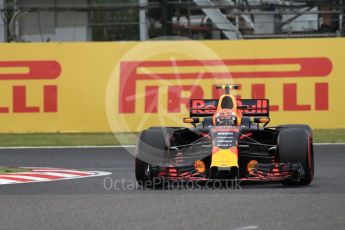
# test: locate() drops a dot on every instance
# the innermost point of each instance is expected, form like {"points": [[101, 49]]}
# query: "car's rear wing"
{"points": [[207, 107]]}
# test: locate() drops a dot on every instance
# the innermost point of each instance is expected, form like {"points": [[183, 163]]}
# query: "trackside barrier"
{"points": [[129, 86]]}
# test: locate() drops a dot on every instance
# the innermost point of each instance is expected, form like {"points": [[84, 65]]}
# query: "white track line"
{"points": [[61, 175], [104, 147], [329, 143], [7, 181], [69, 147], [59, 171], [247, 227], [33, 178]]}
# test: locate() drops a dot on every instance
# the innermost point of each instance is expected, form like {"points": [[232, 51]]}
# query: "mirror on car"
{"points": [[191, 120], [261, 119]]}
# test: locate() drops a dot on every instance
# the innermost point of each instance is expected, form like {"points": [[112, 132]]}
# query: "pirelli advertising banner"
{"points": [[129, 86]]}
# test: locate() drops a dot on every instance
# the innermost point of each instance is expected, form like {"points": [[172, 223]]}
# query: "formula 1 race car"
{"points": [[232, 141]]}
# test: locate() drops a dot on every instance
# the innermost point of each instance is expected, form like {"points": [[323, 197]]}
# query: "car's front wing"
{"points": [[263, 172]]}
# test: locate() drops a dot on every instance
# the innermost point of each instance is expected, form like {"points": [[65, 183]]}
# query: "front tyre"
{"points": [[302, 126], [150, 150], [140, 171], [295, 146]]}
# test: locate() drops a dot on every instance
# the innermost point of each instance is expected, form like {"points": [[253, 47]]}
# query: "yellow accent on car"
{"points": [[264, 120], [200, 166], [251, 166], [224, 158], [188, 120]]}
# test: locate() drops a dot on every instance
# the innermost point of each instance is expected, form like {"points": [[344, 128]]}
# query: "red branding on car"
{"points": [[205, 107]]}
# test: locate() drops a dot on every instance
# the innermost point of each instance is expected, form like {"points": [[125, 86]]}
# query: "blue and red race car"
{"points": [[229, 139]]}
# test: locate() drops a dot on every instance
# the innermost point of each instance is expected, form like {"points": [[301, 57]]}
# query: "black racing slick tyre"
{"points": [[302, 126], [140, 169], [295, 146], [151, 148]]}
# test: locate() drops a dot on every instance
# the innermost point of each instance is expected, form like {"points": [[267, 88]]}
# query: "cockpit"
{"points": [[227, 113], [227, 103]]}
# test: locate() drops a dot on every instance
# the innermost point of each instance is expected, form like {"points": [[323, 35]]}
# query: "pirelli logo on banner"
{"points": [[19, 74], [131, 75]]}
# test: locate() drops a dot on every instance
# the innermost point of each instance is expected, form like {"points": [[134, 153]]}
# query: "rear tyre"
{"points": [[150, 151], [295, 146]]}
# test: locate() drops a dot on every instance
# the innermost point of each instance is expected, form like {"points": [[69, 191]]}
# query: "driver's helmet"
{"points": [[226, 117], [227, 113]]}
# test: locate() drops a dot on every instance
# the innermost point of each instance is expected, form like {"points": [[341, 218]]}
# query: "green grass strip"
{"points": [[329, 136], [106, 139], [4, 170], [67, 139]]}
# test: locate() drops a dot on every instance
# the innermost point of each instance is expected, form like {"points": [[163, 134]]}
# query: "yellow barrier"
{"points": [[129, 86]]}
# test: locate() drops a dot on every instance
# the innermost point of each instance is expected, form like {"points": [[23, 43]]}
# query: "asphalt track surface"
{"points": [[92, 203]]}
